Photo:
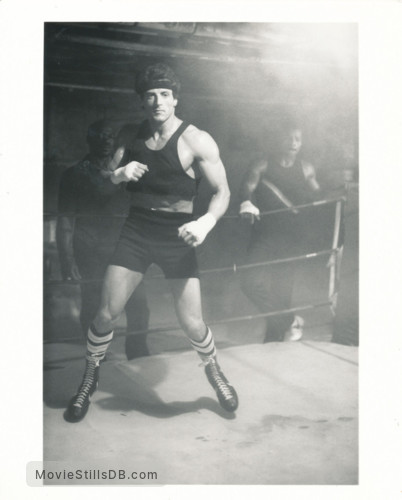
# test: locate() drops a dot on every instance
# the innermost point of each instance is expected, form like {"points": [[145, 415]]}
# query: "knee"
{"points": [[194, 327], [106, 318]]}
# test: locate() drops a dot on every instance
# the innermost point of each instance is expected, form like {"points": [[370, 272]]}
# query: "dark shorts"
{"points": [[151, 237]]}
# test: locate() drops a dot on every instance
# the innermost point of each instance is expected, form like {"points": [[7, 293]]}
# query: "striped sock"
{"points": [[206, 347], [97, 343]]}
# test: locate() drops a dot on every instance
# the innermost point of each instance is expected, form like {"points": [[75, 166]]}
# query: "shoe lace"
{"points": [[87, 383], [206, 361], [222, 386]]}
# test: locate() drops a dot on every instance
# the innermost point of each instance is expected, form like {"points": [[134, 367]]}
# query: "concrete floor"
{"points": [[296, 423]]}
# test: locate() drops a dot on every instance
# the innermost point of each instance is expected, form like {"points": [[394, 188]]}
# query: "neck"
{"points": [[166, 128]]}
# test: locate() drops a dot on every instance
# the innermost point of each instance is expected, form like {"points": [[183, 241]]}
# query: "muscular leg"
{"points": [[187, 299], [119, 284], [90, 299]]}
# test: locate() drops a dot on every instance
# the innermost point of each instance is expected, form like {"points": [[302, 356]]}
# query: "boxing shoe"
{"points": [[227, 396], [295, 331], [79, 404]]}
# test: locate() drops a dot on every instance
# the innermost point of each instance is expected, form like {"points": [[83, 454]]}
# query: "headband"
{"points": [[160, 83]]}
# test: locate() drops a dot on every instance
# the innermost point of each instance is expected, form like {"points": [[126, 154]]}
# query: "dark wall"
{"points": [[236, 90]]}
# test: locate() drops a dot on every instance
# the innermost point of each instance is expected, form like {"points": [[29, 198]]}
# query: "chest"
{"points": [[164, 157], [291, 182], [287, 178], [171, 149]]}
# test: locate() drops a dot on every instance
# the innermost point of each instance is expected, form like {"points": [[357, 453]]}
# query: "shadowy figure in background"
{"points": [[283, 180], [92, 212]]}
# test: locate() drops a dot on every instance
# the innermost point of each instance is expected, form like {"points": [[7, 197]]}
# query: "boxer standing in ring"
{"points": [[164, 166]]}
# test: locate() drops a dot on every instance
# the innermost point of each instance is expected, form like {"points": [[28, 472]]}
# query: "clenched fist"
{"points": [[133, 171], [249, 212], [195, 232]]}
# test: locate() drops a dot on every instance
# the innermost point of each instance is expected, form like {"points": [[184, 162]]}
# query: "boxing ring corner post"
{"points": [[335, 260]]}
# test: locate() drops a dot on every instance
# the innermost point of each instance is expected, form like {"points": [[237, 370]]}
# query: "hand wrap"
{"points": [[249, 208], [195, 232]]}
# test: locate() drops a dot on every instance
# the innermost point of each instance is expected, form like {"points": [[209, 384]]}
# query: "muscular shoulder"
{"points": [[200, 142]]}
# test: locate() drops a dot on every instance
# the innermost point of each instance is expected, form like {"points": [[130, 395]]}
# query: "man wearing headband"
{"points": [[162, 170]]}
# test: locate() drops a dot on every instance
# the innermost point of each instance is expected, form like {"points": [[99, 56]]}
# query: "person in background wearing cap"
{"points": [[92, 212], [162, 169], [284, 180]]}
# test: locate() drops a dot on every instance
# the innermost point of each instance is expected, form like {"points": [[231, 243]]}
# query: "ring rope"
{"points": [[295, 207], [235, 268], [233, 319], [234, 216]]}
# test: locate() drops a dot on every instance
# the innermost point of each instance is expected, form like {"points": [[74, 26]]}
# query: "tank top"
{"points": [[166, 176], [290, 181]]}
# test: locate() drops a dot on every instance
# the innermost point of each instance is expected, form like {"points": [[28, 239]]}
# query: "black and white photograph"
{"points": [[201, 261], [201, 250]]}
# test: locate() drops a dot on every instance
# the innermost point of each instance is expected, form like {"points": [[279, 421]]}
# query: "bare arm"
{"points": [[206, 154], [212, 169], [252, 179], [248, 211]]}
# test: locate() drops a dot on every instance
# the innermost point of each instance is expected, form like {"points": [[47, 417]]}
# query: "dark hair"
{"points": [[157, 76], [96, 127]]}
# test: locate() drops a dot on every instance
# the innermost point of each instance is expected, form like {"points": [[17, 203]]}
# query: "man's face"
{"points": [[159, 104], [101, 142], [292, 142]]}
